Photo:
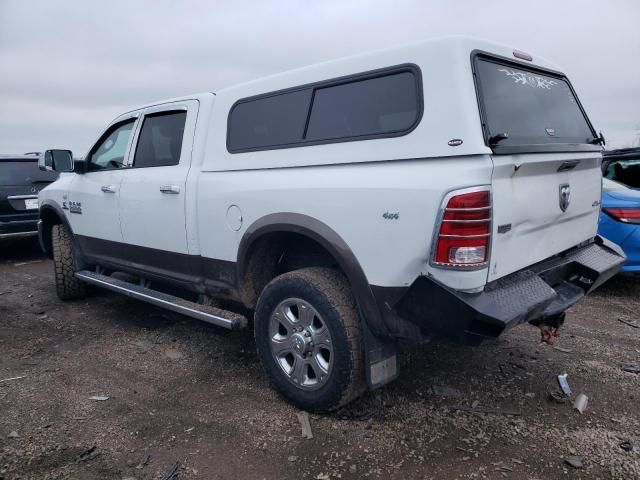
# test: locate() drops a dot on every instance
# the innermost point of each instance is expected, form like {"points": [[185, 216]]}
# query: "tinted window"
{"points": [[110, 150], [160, 141], [388, 104], [23, 172], [368, 107], [269, 121], [530, 107], [625, 171]]}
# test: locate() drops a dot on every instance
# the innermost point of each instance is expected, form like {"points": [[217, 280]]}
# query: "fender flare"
{"points": [[328, 239], [43, 235]]}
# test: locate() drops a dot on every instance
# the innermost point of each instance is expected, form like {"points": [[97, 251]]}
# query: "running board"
{"points": [[209, 314]]}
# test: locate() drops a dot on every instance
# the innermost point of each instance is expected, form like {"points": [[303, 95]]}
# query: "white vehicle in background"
{"points": [[446, 188]]}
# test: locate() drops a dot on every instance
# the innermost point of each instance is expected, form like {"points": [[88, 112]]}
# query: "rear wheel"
{"points": [[308, 338], [68, 287]]}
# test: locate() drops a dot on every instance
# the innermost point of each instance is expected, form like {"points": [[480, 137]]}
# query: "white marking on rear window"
{"points": [[524, 78]]}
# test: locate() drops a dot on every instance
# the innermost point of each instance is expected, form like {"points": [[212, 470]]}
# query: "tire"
{"points": [[321, 367], [68, 287]]}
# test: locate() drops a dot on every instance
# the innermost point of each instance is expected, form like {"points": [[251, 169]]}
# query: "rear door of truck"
{"points": [[546, 181]]}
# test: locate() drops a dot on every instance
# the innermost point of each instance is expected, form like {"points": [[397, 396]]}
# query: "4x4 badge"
{"points": [[564, 193]]}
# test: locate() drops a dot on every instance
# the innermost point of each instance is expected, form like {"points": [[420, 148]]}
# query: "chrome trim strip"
{"points": [[466, 221], [18, 235], [464, 236], [461, 266], [473, 209], [21, 197]]}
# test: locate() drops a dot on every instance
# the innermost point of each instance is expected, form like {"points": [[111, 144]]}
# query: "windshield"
{"points": [[525, 107], [624, 171]]}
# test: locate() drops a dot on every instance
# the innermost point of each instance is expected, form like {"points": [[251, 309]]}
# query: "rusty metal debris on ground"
{"points": [[564, 384], [631, 368], [484, 410], [581, 402]]}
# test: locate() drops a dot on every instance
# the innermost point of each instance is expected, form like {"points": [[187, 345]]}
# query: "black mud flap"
{"points": [[380, 357]]}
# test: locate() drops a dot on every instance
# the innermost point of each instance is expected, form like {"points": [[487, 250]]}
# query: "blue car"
{"points": [[620, 221]]}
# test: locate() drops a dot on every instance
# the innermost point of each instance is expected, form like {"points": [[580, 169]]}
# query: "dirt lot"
{"points": [[185, 392]]}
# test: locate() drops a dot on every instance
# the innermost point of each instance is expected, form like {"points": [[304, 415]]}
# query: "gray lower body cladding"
{"points": [[540, 292]]}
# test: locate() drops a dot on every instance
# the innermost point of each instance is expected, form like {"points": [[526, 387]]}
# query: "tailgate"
{"points": [[543, 204], [546, 180]]}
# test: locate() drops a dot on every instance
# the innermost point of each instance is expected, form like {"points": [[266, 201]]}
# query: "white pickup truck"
{"points": [[446, 188]]}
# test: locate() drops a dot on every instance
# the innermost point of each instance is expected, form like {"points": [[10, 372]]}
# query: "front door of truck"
{"points": [[153, 188], [93, 199]]}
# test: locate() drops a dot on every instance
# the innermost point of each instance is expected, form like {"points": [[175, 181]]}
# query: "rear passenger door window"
{"points": [[160, 140]]}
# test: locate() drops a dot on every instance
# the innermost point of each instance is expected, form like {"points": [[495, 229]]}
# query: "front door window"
{"points": [[109, 152]]}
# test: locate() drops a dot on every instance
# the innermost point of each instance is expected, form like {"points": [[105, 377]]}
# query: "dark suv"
{"points": [[20, 182]]}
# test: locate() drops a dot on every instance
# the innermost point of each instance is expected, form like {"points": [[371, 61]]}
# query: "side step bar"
{"points": [[216, 316]]}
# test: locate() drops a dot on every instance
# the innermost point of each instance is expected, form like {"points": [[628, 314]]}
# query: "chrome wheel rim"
{"points": [[301, 343]]}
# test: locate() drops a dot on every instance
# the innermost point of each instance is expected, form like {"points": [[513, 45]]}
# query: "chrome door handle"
{"points": [[170, 189], [108, 188]]}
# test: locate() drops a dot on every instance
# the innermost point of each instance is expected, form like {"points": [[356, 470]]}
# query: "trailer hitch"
{"points": [[549, 327]]}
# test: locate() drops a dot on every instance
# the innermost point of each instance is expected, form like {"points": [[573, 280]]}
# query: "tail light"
{"points": [[626, 215], [464, 232]]}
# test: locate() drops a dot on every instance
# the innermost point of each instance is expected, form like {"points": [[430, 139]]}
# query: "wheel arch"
{"points": [[323, 235], [50, 214]]}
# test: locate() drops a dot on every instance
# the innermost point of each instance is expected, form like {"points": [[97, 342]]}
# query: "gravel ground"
{"points": [[190, 397]]}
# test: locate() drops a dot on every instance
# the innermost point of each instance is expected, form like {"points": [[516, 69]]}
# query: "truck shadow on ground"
{"points": [[21, 251]]}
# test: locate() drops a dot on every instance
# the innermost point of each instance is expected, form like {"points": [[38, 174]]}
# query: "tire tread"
{"points": [[68, 287]]}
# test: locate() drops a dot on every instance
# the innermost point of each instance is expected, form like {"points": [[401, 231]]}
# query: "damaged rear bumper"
{"points": [[542, 291]]}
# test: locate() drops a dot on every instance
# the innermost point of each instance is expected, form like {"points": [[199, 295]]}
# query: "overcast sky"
{"points": [[68, 67]]}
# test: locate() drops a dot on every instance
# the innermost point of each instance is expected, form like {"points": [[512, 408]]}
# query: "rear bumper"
{"points": [[541, 291]]}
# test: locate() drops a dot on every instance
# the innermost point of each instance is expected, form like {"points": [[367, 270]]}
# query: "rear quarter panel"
{"points": [[351, 200]]}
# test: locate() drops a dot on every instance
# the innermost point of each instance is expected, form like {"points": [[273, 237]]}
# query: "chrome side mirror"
{"points": [[56, 161]]}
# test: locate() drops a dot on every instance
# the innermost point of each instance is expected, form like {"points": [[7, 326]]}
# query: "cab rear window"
{"points": [[523, 107]]}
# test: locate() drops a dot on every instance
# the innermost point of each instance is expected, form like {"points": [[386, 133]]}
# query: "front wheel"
{"points": [[308, 337], [68, 287]]}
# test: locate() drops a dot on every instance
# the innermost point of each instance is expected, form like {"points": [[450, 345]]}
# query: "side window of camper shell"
{"points": [[379, 104]]}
